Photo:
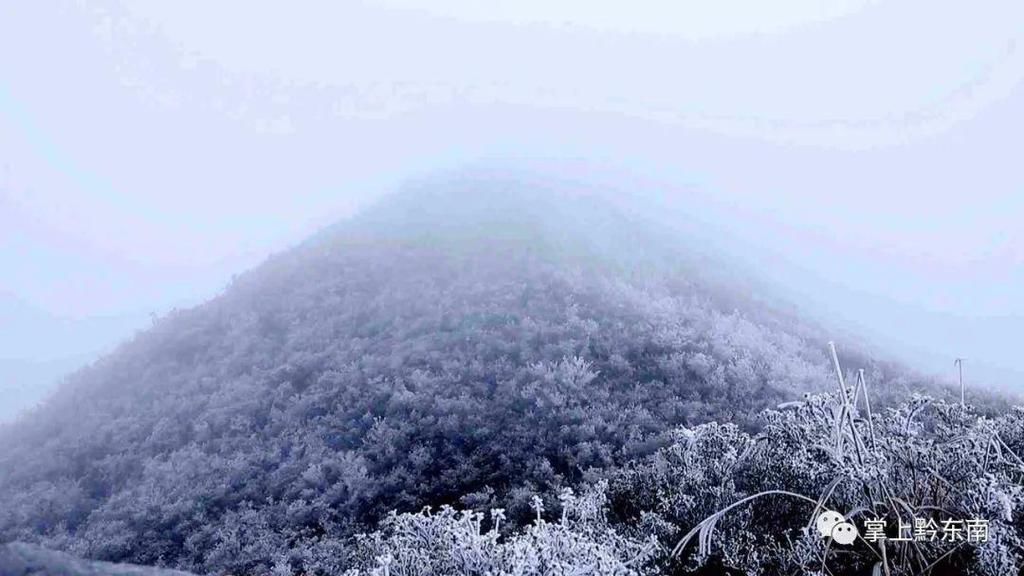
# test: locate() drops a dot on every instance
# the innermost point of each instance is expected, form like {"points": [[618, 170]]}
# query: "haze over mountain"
{"points": [[481, 336], [147, 156]]}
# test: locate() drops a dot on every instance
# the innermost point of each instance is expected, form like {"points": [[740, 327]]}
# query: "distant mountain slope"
{"points": [[24, 383], [18, 559], [38, 348], [473, 340]]}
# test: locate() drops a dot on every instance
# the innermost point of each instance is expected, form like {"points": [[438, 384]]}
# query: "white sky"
{"points": [[150, 149]]}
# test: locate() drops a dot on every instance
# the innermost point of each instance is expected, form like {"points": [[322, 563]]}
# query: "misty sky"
{"points": [[864, 155]]}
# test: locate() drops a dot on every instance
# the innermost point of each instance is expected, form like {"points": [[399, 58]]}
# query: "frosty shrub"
{"points": [[748, 502], [719, 500], [578, 541]]}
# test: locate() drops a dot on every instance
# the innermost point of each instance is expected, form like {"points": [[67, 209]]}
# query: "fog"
{"points": [[863, 156]]}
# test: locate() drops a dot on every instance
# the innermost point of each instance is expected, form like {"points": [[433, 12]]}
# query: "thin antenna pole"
{"points": [[960, 369]]}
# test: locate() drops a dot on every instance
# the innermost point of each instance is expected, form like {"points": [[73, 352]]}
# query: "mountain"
{"points": [[475, 339]]}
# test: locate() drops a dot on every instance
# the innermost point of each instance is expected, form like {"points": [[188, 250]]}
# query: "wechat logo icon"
{"points": [[831, 524]]}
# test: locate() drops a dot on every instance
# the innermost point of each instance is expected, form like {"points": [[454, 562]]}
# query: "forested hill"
{"points": [[457, 343]]}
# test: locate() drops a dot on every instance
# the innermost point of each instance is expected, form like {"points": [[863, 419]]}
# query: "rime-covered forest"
{"points": [[473, 380]]}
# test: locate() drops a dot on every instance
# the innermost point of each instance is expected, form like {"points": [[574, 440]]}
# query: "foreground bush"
{"points": [[450, 542], [749, 502], [731, 502], [718, 500]]}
